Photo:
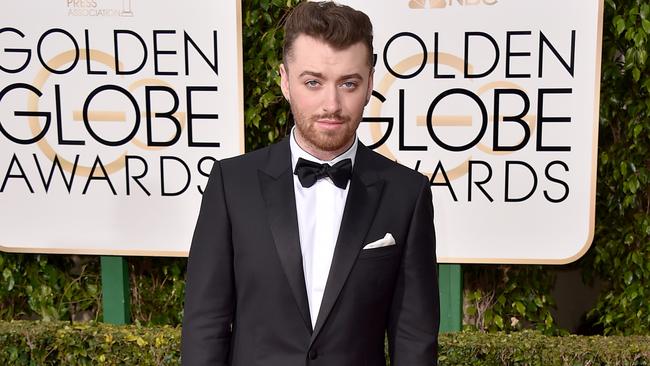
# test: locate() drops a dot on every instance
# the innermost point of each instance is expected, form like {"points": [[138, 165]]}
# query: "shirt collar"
{"points": [[298, 152]]}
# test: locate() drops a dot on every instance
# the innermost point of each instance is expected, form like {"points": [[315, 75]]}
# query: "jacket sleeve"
{"points": [[415, 313], [209, 291]]}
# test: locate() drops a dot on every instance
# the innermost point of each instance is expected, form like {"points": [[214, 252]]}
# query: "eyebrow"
{"points": [[320, 75], [311, 73]]}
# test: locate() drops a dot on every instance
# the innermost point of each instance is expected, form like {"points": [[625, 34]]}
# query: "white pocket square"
{"points": [[386, 241]]}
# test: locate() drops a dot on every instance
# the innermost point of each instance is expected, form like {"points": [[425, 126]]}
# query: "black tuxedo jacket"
{"points": [[246, 302]]}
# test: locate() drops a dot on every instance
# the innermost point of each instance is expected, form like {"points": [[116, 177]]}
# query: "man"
{"points": [[310, 251]]}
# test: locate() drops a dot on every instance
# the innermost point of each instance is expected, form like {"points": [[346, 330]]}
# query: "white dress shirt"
{"points": [[319, 209]]}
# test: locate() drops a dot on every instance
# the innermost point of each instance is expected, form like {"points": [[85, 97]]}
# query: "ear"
{"points": [[370, 85], [284, 83]]}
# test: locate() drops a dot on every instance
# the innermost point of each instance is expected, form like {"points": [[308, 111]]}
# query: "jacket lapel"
{"points": [[276, 182], [360, 208]]}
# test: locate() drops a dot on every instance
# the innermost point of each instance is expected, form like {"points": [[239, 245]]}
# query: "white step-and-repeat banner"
{"points": [[496, 101], [111, 115]]}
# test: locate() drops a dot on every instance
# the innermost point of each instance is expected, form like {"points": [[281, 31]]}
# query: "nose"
{"points": [[332, 100]]}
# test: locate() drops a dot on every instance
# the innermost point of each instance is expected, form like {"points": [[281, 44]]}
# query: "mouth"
{"points": [[329, 121], [330, 125]]}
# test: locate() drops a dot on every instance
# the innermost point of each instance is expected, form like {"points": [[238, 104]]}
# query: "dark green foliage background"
{"points": [[505, 297], [621, 250]]}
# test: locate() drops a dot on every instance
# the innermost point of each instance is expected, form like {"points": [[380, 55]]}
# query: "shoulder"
{"points": [[277, 154], [251, 158], [389, 170]]}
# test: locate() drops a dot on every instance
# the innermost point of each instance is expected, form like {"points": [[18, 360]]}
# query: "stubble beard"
{"points": [[328, 141]]}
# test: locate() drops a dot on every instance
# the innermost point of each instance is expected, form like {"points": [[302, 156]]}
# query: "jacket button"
{"points": [[313, 355]]}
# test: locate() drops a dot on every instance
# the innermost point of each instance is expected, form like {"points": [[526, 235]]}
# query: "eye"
{"points": [[349, 85], [312, 83]]}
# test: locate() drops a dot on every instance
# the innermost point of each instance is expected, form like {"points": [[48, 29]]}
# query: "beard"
{"points": [[325, 140]]}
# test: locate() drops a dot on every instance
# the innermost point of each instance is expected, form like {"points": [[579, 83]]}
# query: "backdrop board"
{"points": [[111, 115], [497, 102]]}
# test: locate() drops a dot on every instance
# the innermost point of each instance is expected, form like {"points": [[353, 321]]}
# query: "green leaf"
{"points": [[628, 278], [498, 320], [521, 309], [471, 310], [501, 300], [619, 23], [548, 321], [6, 273]]}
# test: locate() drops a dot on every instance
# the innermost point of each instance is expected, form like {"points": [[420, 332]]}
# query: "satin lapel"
{"points": [[360, 208], [276, 183]]}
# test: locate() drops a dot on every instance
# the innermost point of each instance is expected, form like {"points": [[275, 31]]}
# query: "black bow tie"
{"points": [[309, 172]]}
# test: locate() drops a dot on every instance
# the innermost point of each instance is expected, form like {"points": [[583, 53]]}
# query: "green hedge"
{"points": [[88, 343], [55, 343], [533, 348]]}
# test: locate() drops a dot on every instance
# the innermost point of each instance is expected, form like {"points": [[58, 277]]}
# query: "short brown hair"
{"points": [[339, 26]]}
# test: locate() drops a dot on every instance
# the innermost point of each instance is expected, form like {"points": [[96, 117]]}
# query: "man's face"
{"points": [[327, 89]]}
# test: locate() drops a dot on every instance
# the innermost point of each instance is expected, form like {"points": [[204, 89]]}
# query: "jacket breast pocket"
{"points": [[376, 253]]}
